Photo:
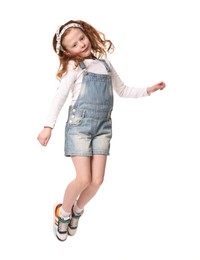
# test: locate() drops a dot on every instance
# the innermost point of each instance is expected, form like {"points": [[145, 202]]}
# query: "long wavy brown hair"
{"points": [[99, 44]]}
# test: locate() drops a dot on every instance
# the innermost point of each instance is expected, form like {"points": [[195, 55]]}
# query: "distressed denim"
{"points": [[88, 128]]}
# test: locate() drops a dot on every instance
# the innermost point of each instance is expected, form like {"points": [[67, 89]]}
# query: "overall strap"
{"points": [[82, 65], [106, 65]]}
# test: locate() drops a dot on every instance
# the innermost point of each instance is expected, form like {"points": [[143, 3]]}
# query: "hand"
{"points": [[159, 86], [44, 136]]}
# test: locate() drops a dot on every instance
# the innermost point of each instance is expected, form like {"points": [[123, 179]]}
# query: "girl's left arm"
{"points": [[132, 92]]}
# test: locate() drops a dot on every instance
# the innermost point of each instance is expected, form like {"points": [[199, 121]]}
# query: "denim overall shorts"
{"points": [[88, 129]]}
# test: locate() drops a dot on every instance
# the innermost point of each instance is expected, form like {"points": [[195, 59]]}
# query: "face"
{"points": [[77, 43]]}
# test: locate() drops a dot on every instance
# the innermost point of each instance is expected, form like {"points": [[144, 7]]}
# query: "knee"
{"points": [[97, 182], [84, 182]]}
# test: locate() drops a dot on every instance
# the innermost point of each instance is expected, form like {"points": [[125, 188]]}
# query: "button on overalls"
{"points": [[88, 129]]}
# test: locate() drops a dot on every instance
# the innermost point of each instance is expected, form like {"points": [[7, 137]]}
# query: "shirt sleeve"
{"points": [[66, 83], [124, 91]]}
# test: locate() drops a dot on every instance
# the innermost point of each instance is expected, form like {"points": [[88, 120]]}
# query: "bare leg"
{"points": [[98, 164], [80, 183]]}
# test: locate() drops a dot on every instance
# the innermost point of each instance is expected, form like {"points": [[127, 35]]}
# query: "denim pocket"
{"points": [[75, 117]]}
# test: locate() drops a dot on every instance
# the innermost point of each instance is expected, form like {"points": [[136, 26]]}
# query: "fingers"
{"points": [[162, 85], [43, 141], [44, 136]]}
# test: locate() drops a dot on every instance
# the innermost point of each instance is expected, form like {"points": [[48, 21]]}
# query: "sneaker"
{"points": [[73, 224], [60, 224]]}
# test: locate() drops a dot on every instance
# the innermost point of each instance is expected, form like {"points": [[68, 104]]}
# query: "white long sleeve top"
{"points": [[72, 80]]}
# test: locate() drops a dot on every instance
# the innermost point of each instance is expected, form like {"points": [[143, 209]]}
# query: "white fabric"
{"points": [[64, 214]]}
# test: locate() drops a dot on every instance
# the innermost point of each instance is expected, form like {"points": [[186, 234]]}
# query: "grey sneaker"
{"points": [[73, 224], [60, 224]]}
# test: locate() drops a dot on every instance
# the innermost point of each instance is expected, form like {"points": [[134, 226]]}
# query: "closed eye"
{"points": [[82, 37]]}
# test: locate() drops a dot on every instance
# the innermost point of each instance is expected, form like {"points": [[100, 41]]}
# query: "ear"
{"points": [[66, 52]]}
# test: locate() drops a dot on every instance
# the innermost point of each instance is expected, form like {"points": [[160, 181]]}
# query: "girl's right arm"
{"points": [[63, 90]]}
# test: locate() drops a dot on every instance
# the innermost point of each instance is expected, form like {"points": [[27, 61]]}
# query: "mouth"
{"points": [[86, 49]]}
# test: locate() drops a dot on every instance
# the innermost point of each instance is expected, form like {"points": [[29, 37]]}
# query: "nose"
{"points": [[81, 44]]}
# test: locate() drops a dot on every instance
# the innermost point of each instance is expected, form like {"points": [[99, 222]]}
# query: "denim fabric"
{"points": [[88, 128]]}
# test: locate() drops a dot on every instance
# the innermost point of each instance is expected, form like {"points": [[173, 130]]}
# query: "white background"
{"points": [[148, 206]]}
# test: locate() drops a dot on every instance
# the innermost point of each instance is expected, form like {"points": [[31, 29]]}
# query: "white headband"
{"points": [[59, 35]]}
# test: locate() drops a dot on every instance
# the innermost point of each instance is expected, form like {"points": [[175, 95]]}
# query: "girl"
{"points": [[85, 72]]}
